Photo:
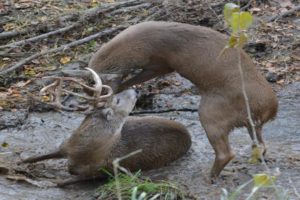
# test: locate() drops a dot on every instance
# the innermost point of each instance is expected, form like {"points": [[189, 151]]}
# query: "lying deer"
{"points": [[152, 49], [106, 134]]}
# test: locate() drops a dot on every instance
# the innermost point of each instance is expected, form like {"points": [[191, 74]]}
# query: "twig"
{"points": [[64, 47], [131, 8], [62, 30], [247, 5], [284, 14], [294, 188], [10, 34], [248, 107], [86, 16], [13, 55], [156, 15], [116, 166]]}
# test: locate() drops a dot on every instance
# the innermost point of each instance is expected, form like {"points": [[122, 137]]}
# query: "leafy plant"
{"points": [[239, 21]]}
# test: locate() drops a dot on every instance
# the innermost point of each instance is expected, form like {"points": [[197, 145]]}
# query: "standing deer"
{"points": [[152, 49]]}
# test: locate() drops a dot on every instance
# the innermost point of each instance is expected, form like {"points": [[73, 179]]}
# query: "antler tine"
{"points": [[60, 79], [56, 94], [70, 79], [109, 92], [98, 83], [55, 90]]}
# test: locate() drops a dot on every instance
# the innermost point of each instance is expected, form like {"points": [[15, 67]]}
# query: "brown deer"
{"points": [[152, 49], [106, 134]]}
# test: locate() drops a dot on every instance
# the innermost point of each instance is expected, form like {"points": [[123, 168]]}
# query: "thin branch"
{"points": [[131, 8], [247, 5], [39, 37], [86, 16], [64, 47], [248, 107], [10, 34], [284, 14], [164, 111], [294, 188], [116, 166]]}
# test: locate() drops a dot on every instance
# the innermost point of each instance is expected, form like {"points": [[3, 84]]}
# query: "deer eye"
{"points": [[118, 101]]}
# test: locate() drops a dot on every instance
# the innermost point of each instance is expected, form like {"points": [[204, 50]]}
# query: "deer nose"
{"points": [[138, 93]]}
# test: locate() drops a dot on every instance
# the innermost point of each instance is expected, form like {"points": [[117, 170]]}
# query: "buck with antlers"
{"points": [[106, 134], [158, 48]]}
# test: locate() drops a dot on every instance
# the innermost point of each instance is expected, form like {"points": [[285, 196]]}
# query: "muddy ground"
{"points": [[43, 132], [274, 47]]}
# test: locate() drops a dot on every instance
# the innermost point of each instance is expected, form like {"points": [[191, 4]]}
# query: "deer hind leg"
{"points": [[216, 121], [145, 75]]}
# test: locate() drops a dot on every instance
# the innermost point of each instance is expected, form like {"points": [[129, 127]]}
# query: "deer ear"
{"points": [[108, 113]]}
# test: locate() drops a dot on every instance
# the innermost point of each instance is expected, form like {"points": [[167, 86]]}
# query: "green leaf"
{"points": [[148, 187], [230, 8], [263, 180], [246, 20], [232, 42], [134, 193], [4, 144], [240, 21]]}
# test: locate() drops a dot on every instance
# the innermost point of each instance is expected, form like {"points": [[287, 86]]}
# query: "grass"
{"points": [[136, 187]]}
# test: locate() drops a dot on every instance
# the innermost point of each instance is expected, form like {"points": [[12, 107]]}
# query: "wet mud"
{"points": [[43, 132]]}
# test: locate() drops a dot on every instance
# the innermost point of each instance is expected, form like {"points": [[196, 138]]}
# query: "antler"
{"points": [[55, 90]]}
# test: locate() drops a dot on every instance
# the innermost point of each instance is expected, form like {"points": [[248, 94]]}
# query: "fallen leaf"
{"points": [[9, 26], [280, 82], [6, 59], [44, 19], [255, 10], [65, 59], [45, 98], [36, 61], [4, 145], [29, 71], [263, 180]]}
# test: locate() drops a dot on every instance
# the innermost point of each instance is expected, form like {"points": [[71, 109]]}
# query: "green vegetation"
{"points": [[136, 187]]}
